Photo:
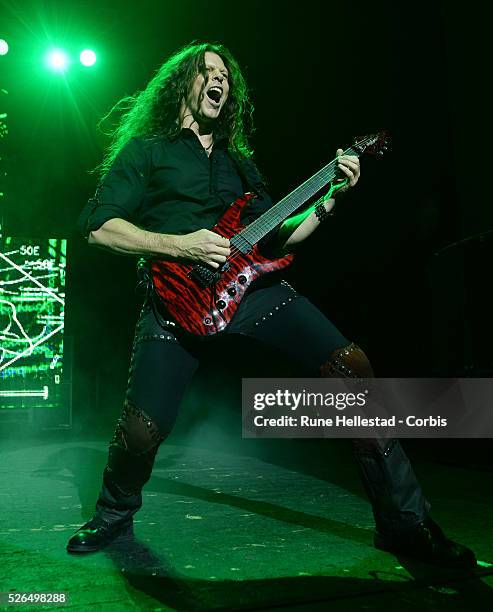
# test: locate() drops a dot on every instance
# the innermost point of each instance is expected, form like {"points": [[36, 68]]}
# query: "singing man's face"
{"points": [[208, 95]]}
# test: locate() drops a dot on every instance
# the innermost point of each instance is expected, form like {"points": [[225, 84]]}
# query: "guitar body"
{"points": [[206, 310]]}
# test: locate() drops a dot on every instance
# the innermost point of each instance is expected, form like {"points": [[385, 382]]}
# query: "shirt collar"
{"points": [[190, 134]]}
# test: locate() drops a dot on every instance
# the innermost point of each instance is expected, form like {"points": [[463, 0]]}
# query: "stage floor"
{"points": [[222, 531]]}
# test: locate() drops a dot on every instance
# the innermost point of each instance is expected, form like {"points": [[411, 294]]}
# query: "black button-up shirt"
{"points": [[171, 186]]}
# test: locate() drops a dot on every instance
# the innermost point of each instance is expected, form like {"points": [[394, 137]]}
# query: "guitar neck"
{"points": [[278, 213]]}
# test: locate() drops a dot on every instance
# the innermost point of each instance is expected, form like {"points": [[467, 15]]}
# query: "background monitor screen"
{"points": [[32, 303]]}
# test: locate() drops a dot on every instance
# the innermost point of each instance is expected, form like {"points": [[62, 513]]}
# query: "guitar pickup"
{"points": [[203, 276]]}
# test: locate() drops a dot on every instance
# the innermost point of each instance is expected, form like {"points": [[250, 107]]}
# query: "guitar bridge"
{"points": [[203, 276]]}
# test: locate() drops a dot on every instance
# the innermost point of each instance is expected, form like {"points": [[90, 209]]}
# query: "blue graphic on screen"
{"points": [[32, 304]]}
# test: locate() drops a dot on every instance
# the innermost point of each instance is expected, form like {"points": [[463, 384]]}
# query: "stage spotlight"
{"points": [[87, 57], [4, 47], [57, 60]]}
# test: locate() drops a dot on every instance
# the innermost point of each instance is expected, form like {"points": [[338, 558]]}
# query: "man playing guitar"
{"points": [[178, 159]]}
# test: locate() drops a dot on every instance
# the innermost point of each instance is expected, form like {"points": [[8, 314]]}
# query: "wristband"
{"points": [[322, 213]]}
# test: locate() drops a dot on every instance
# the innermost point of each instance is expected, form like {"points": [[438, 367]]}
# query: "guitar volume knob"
{"points": [[242, 279], [232, 291], [221, 304]]}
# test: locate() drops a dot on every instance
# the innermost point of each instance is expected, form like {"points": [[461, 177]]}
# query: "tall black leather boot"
{"points": [[400, 509], [395, 495], [131, 456]]}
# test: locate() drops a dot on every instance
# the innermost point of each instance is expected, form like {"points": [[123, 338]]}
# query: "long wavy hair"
{"points": [[155, 110]]}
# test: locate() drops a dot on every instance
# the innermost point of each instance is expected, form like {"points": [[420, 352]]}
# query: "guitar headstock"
{"points": [[372, 144]]}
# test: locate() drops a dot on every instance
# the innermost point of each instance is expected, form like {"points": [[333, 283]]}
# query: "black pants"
{"points": [[163, 363]]}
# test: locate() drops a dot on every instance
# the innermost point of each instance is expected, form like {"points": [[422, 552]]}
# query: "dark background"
{"points": [[320, 73]]}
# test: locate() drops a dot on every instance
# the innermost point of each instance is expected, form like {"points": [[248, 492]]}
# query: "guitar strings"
{"points": [[269, 214], [236, 252], [326, 171], [324, 176]]}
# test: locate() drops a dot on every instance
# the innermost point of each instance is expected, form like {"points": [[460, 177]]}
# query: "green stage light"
{"points": [[87, 57], [4, 47], [57, 60]]}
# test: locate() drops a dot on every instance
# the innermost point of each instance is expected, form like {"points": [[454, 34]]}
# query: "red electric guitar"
{"points": [[203, 300]]}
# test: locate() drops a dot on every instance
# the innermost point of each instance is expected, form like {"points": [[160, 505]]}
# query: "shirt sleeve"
{"points": [[120, 192]]}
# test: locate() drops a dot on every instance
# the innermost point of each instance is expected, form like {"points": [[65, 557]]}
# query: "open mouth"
{"points": [[214, 94]]}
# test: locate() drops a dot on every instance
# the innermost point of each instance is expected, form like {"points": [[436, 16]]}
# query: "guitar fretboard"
{"points": [[278, 213]]}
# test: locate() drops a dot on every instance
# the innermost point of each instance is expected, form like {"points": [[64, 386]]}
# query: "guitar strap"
{"points": [[249, 174], [145, 286]]}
